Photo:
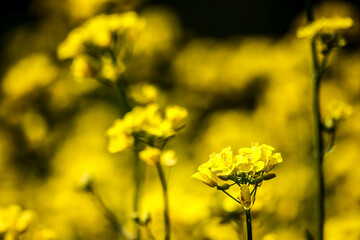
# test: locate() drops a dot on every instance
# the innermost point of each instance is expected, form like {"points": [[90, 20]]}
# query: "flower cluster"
{"points": [[247, 168], [101, 45], [327, 31], [14, 222], [148, 124]]}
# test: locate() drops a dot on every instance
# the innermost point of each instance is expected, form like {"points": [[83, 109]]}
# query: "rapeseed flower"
{"points": [[101, 45], [146, 122], [247, 169], [14, 221], [325, 25]]}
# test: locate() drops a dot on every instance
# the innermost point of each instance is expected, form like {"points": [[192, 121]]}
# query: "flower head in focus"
{"points": [[247, 169]]}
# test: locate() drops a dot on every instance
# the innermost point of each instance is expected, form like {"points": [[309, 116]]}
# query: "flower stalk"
{"points": [[317, 128], [166, 200], [248, 224]]}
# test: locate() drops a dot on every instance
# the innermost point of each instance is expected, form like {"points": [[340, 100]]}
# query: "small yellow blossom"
{"points": [[223, 164], [120, 137], [24, 221], [176, 116], [98, 31], [336, 112], [168, 158], [325, 25], [81, 67], [28, 75], [144, 93], [205, 175], [111, 71], [150, 155], [14, 221]]}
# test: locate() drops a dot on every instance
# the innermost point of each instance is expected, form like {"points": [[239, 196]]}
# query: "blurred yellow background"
{"points": [[238, 90]]}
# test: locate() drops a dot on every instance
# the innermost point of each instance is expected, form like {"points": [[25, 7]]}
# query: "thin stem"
{"points": [[137, 181], [149, 233], [166, 200], [110, 216], [121, 96], [230, 195], [317, 125], [248, 224]]}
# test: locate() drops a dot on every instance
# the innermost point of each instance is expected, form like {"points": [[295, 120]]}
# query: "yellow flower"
{"points": [[111, 71], [150, 155], [29, 75], [144, 93], [205, 175], [14, 221], [324, 25], [81, 67], [257, 158], [245, 198], [73, 45], [223, 164], [253, 156], [24, 220], [337, 111], [120, 137], [176, 116], [168, 158], [274, 159], [243, 163]]}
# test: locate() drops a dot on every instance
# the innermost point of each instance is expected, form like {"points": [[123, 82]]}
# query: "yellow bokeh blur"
{"points": [[55, 119]]}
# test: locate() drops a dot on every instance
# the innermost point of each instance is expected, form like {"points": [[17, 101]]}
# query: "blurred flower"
{"points": [[29, 74], [107, 39], [176, 115], [150, 155], [325, 25], [168, 158], [337, 111], [81, 67], [14, 221], [120, 137], [144, 120], [143, 93]]}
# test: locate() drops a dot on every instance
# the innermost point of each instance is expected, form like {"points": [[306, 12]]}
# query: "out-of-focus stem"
{"points": [[230, 195], [317, 126], [248, 224], [166, 201], [110, 216], [137, 181]]}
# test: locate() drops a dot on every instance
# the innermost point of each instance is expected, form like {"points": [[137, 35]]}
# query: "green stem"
{"points": [[110, 216], [248, 224], [317, 125], [230, 196], [137, 181], [121, 96], [166, 200]]}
